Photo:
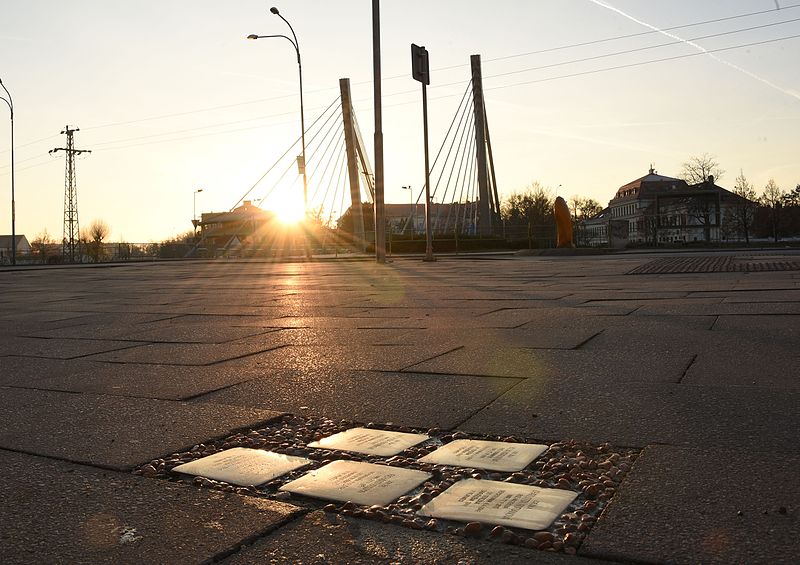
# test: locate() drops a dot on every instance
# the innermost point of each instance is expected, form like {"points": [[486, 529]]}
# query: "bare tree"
{"points": [[698, 168], [704, 210], [98, 231], [41, 245], [532, 208], [742, 212], [772, 198]]}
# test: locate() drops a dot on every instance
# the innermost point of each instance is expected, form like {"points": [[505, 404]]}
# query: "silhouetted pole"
{"points": [[380, 223], [301, 165], [428, 227], [10, 103], [484, 213], [420, 71]]}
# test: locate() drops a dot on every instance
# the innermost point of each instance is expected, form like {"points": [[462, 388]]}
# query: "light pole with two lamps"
{"points": [[10, 103], [302, 159], [296, 45]]}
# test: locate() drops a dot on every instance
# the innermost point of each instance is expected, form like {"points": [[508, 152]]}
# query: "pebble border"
{"points": [[594, 471]]}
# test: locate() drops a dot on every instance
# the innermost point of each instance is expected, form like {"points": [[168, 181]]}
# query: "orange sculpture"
{"points": [[563, 224]]}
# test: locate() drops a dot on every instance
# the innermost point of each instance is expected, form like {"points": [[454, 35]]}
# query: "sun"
{"points": [[288, 210]]}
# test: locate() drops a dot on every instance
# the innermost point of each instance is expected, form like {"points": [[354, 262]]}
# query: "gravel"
{"points": [[594, 471]]}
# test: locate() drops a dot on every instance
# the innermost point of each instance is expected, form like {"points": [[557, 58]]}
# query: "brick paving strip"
{"points": [[716, 264]]}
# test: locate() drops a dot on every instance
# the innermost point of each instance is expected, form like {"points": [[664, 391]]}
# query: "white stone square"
{"points": [[362, 483], [243, 466], [491, 455], [370, 442], [494, 502]]}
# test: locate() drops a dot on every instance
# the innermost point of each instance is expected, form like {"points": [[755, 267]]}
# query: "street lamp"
{"points": [[411, 207], [296, 45], [194, 209], [10, 103], [194, 202]]}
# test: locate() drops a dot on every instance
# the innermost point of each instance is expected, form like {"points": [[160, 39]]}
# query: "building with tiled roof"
{"points": [[657, 209]]}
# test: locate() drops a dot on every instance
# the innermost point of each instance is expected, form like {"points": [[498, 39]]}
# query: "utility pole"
{"points": [[484, 213], [70, 248]]}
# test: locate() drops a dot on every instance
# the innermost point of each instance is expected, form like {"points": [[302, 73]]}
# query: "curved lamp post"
{"points": [[10, 103], [296, 45]]}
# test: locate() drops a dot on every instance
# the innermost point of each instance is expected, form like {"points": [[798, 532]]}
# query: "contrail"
{"points": [[700, 48]]}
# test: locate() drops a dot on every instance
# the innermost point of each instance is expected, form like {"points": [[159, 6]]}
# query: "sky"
{"points": [[171, 98]]}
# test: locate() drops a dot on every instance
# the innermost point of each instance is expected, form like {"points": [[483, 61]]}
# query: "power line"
{"points": [[638, 49], [505, 57], [571, 75], [554, 65], [249, 120], [638, 34], [651, 61]]}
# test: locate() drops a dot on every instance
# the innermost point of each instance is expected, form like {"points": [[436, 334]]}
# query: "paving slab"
{"points": [[749, 359], [783, 295], [681, 505], [345, 336], [25, 371], [177, 333], [423, 401], [57, 512], [112, 432], [194, 354], [222, 320], [722, 309], [356, 356], [638, 414], [62, 348], [331, 538], [168, 382], [545, 365], [540, 337], [96, 326], [779, 326]]}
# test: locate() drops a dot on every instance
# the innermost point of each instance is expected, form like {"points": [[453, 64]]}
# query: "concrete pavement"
{"points": [[104, 368]]}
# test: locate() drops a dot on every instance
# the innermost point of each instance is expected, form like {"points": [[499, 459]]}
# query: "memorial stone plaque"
{"points": [[243, 466], [494, 502], [370, 442], [491, 455], [355, 481]]}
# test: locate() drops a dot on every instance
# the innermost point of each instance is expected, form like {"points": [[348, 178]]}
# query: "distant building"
{"points": [[656, 209], [228, 231], [22, 246]]}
